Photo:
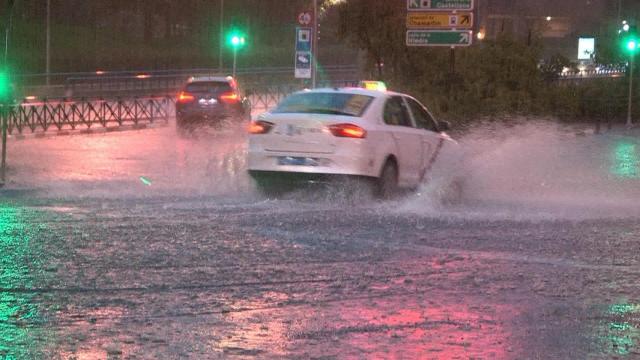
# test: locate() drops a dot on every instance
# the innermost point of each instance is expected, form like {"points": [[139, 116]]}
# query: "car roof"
{"points": [[353, 90], [210, 79]]}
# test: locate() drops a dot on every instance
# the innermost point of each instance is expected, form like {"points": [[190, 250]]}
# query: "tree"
{"points": [[376, 27]]}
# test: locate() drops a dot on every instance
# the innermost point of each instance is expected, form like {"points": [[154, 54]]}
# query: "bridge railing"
{"points": [[34, 115], [60, 115]]}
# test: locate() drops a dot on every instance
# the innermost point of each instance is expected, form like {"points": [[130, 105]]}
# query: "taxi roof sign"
{"points": [[373, 85]]}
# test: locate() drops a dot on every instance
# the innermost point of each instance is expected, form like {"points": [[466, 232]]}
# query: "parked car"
{"points": [[387, 138], [212, 101]]}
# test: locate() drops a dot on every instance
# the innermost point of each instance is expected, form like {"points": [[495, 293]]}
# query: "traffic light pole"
{"points": [[3, 166], [4, 102], [235, 56], [314, 46], [629, 122]]}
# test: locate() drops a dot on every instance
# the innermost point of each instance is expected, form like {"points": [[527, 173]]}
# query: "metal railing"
{"points": [[265, 97], [156, 82], [46, 115], [592, 74], [61, 115]]}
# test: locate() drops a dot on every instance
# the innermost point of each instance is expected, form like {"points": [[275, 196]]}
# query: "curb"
{"points": [[89, 131]]}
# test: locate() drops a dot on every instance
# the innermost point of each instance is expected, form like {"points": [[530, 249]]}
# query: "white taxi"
{"points": [[387, 137]]}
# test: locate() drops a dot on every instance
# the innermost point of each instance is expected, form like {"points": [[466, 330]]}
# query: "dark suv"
{"points": [[211, 101]]}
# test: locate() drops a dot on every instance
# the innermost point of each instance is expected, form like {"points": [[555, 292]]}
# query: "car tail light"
{"points": [[185, 97], [229, 97], [260, 127], [348, 130]]}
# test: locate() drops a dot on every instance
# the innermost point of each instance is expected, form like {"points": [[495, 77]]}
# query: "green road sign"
{"points": [[439, 37], [421, 5]]}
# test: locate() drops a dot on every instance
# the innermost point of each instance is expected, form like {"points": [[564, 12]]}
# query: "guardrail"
{"points": [[591, 74], [35, 115], [76, 114], [159, 82]]}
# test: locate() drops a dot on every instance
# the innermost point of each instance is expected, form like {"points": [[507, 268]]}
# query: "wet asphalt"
{"points": [[146, 245]]}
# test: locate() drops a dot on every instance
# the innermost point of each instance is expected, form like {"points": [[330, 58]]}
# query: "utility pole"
{"points": [[220, 61], [48, 66], [314, 46]]}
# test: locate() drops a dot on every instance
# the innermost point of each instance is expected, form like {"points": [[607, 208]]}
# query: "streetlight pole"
{"points": [[220, 61], [619, 11], [6, 33], [48, 65]]}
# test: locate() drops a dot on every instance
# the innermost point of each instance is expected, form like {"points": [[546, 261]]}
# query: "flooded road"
{"points": [[145, 245]]}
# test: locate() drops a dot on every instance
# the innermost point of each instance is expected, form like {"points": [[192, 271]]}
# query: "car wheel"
{"points": [[387, 185]]}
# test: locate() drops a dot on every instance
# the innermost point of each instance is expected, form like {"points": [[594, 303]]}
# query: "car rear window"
{"points": [[209, 86], [325, 103]]}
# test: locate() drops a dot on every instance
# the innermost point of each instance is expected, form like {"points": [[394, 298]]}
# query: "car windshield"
{"points": [[325, 103], [209, 86]]}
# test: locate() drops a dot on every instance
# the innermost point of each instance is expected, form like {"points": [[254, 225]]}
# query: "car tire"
{"points": [[387, 183]]}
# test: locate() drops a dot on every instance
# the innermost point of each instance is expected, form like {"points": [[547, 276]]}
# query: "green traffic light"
{"points": [[5, 86], [236, 39], [629, 40]]}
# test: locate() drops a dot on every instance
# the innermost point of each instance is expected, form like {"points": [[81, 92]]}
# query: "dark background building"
{"points": [[171, 34], [155, 34], [559, 23]]}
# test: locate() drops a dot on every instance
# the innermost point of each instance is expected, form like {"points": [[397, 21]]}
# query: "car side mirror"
{"points": [[444, 125]]}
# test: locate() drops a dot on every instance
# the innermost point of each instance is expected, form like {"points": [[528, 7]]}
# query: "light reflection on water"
{"points": [[407, 328], [113, 164], [81, 342], [620, 332], [625, 160], [256, 332], [18, 270]]}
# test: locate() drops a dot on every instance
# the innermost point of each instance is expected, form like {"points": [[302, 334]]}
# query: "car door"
{"points": [[407, 140], [432, 141]]}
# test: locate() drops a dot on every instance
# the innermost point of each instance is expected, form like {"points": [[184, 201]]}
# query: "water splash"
{"points": [[538, 169]]}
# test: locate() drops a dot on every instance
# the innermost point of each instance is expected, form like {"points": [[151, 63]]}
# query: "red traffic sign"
{"points": [[305, 18]]}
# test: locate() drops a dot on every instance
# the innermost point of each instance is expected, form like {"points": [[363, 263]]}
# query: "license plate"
{"points": [[297, 161], [207, 102]]}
